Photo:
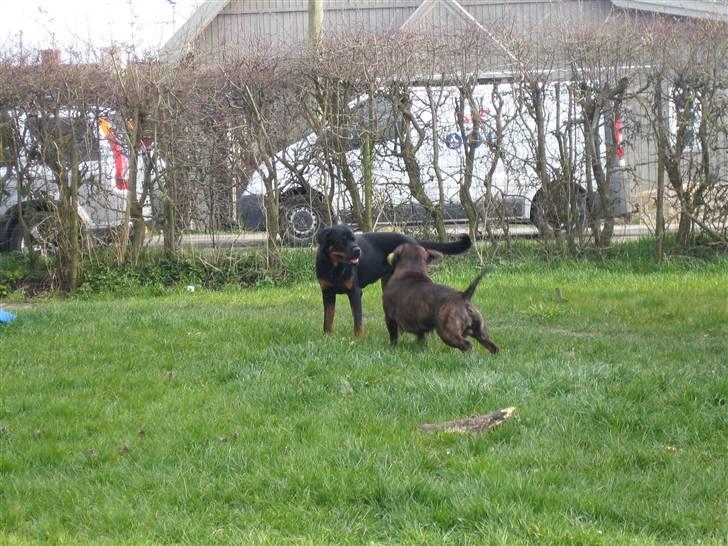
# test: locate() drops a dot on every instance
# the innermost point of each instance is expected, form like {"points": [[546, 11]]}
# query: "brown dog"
{"points": [[413, 303]]}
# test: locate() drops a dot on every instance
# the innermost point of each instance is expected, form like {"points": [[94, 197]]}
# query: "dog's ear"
{"points": [[393, 257], [322, 236], [433, 256]]}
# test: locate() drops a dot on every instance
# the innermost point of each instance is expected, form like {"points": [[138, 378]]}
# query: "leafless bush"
{"points": [[50, 114], [603, 76], [375, 129], [687, 107]]}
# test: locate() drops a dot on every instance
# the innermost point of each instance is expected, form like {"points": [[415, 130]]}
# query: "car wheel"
{"points": [[300, 220], [44, 234], [7, 226]]}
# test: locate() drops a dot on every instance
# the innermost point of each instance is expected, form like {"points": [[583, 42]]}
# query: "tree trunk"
{"points": [[135, 207], [74, 244], [660, 211], [347, 177], [368, 179], [414, 177], [408, 153], [171, 238], [271, 205], [685, 228]]}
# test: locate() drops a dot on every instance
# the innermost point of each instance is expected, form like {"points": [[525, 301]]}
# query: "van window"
{"points": [[380, 121], [6, 136], [45, 131]]}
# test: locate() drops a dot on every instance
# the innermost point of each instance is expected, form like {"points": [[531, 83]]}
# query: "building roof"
{"points": [[433, 11], [191, 29], [703, 9], [438, 10]]}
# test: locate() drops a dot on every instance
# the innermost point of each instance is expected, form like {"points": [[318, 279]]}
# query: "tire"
{"points": [[7, 226], [547, 218], [300, 220], [44, 230]]}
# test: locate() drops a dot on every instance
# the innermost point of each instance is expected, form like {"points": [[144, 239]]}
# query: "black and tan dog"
{"points": [[415, 304], [346, 263]]}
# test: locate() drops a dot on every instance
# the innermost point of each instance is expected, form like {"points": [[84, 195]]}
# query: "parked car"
{"points": [[517, 194], [103, 167]]}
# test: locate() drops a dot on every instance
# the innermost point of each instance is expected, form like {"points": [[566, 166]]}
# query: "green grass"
{"points": [[260, 430]]}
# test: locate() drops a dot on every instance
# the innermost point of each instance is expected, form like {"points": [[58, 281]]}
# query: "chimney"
{"points": [[50, 57]]}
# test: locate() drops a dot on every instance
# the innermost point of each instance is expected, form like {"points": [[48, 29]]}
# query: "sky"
{"points": [[84, 24]]}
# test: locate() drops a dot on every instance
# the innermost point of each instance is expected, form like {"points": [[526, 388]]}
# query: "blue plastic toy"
{"points": [[6, 317]]}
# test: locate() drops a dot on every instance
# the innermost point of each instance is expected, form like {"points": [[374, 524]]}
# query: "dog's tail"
{"points": [[456, 247], [470, 290]]}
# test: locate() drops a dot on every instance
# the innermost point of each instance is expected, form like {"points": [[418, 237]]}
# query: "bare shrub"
{"points": [[687, 109]]}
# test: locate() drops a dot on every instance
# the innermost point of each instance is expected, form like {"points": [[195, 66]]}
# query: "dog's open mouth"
{"points": [[345, 258], [354, 256]]}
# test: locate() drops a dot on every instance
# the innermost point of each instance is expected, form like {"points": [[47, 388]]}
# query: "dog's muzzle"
{"points": [[354, 255]]}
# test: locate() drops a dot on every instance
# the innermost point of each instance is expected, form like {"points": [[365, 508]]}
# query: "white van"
{"points": [[516, 188], [103, 159]]}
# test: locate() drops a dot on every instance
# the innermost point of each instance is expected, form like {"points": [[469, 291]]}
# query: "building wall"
{"points": [[283, 24], [529, 15]]}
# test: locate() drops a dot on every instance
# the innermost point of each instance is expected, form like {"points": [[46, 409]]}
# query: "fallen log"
{"points": [[473, 424]]}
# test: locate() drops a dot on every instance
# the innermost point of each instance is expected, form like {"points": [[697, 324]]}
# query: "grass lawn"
{"points": [[228, 418]]}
